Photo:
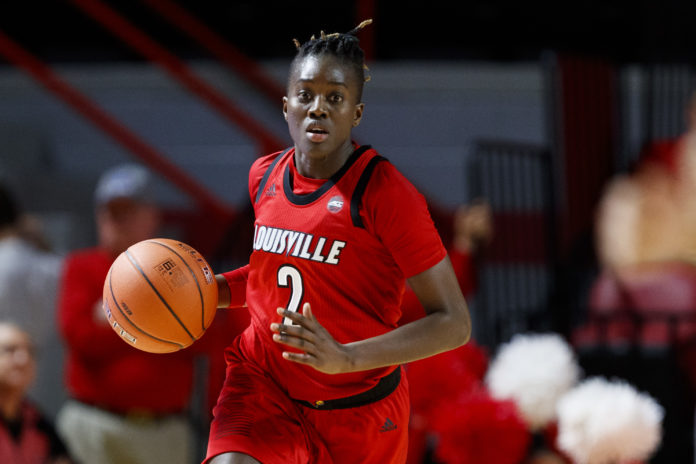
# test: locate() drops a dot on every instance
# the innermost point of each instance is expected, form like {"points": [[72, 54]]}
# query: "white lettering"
{"points": [[276, 240], [270, 237], [299, 244], [259, 238], [336, 248], [291, 240], [305, 253], [281, 243], [316, 256]]}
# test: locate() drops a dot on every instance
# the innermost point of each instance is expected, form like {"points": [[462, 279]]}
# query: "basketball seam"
{"points": [[195, 279], [113, 297], [164, 302]]}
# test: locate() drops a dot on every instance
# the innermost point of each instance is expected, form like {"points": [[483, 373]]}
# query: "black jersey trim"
{"points": [[266, 174], [307, 198], [360, 187]]}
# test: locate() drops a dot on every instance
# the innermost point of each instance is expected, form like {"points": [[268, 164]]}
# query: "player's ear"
{"points": [[285, 107], [357, 115]]}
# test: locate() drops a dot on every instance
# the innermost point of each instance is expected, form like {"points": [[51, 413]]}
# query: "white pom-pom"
{"points": [[602, 422], [533, 370]]}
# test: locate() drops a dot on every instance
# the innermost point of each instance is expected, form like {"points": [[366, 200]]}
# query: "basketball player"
{"points": [[316, 377]]}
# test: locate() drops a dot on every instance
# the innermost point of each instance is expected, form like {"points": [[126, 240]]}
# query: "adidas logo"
{"points": [[388, 426], [271, 191]]}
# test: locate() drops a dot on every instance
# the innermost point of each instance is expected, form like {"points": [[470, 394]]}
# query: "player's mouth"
{"points": [[316, 133]]}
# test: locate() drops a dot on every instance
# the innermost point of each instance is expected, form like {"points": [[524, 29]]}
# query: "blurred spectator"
{"points": [[646, 245], [452, 378], [127, 406], [26, 437], [29, 276], [473, 229], [650, 215]]}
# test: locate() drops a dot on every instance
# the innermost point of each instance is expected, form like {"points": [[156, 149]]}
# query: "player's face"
{"points": [[17, 363], [322, 107]]}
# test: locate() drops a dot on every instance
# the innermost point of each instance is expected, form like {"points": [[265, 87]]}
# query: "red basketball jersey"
{"points": [[345, 247]]}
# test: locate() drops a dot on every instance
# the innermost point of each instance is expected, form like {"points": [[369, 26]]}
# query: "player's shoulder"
{"points": [[259, 168], [262, 163], [387, 177]]}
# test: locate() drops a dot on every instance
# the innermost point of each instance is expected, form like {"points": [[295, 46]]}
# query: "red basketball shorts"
{"points": [[255, 417]]}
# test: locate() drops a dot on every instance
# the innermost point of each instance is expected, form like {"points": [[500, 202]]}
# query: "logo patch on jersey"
{"points": [[335, 204], [271, 191]]}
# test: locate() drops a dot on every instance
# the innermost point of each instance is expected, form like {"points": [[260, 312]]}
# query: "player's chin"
{"points": [[315, 151]]}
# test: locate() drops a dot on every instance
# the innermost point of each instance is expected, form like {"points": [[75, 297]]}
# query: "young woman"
{"points": [[316, 377]]}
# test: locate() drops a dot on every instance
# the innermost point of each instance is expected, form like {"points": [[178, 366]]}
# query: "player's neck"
{"points": [[322, 167]]}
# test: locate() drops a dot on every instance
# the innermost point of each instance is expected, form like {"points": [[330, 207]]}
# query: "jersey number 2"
{"points": [[289, 276]]}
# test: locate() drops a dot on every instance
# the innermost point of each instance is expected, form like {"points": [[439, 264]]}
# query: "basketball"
{"points": [[160, 295]]}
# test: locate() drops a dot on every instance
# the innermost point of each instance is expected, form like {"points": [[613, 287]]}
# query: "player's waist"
{"points": [[303, 383], [384, 387]]}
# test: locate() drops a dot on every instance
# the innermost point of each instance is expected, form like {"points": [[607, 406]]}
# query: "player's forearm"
{"points": [[232, 287], [447, 325], [433, 334], [224, 295]]}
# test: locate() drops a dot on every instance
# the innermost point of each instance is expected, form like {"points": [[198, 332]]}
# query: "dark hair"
{"points": [[344, 46], [8, 208]]}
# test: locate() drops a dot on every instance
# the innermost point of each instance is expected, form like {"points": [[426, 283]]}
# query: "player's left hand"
{"points": [[319, 349]]}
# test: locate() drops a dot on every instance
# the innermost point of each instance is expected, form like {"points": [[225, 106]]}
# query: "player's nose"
{"points": [[318, 108]]}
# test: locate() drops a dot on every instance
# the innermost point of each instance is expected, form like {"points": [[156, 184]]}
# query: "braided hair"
{"points": [[344, 46]]}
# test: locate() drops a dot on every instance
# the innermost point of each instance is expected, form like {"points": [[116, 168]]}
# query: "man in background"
{"points": [[127, 406], [26, 436]]}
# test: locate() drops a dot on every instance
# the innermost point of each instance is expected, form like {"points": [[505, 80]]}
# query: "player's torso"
{"points": [[308, 248]]}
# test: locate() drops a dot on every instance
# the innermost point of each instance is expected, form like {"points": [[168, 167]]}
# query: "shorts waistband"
{"points": [[384, 388]]}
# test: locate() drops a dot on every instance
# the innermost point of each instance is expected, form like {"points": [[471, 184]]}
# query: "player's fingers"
{"points": [[300, 358], [307, 311], [293, 330], [296, 317], [295, 342]]}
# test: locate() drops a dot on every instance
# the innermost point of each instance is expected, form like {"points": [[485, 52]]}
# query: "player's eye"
{"points": [[304, 96], [336, 98]]}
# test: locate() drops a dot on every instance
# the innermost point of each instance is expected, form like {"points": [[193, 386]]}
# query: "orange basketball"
{"points": [[160, 295]]}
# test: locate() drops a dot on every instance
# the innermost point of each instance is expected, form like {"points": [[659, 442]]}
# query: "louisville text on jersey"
{"points": [[297, 244]]}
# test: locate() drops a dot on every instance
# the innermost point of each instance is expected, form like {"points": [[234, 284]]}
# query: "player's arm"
{"points": [[232, 288], [446, 326]]}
